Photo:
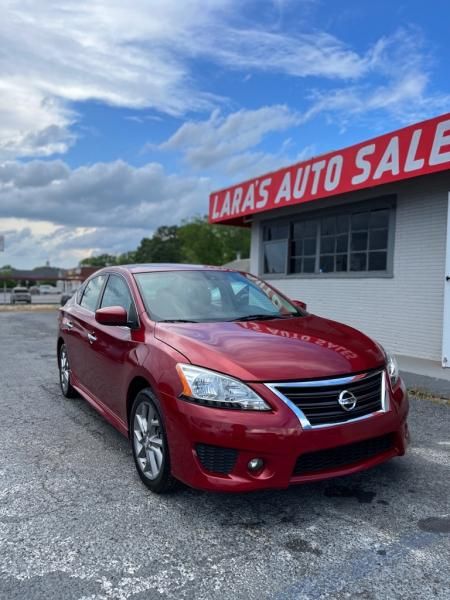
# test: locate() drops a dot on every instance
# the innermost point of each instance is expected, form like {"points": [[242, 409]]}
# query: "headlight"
{"points": [[212, 389], [392, 368]]}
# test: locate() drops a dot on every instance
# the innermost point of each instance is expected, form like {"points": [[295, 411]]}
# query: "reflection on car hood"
{"points": [[281, 349]]}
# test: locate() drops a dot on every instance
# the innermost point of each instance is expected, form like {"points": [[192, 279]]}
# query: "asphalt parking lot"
{"points": [[76, 522]]}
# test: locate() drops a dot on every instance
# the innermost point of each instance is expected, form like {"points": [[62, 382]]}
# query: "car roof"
{"points": [[151, 267]]}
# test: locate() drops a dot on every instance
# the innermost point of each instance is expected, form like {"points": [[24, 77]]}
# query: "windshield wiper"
{"points": [[178, 321], [255, 318]]}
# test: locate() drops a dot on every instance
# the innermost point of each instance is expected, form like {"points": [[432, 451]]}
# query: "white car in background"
{"points": [[20, 294], [49, 289]]}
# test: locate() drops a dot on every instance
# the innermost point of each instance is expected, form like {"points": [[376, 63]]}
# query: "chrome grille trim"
{"points": [[339, 381]]}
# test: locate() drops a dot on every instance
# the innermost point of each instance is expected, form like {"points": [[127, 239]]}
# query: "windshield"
{"points": [[208, 296]]}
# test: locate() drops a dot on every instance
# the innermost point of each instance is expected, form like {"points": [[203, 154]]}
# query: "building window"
{"points": [[348, 239], [275, 247]]}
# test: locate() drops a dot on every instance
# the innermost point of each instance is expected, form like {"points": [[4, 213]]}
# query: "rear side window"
{"points": [[117, 293], [91, 293]]}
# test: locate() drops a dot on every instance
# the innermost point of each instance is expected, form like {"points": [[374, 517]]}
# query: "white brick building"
{"points": [[374, 255]]}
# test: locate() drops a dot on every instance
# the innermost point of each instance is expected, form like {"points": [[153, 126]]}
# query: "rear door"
{"points": [[78, 322]]}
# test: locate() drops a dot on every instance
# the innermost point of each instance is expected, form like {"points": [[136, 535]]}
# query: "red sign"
{"points": [[415, 150]]}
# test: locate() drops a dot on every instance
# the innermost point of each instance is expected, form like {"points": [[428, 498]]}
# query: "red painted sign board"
{"points": [[419, 149]]}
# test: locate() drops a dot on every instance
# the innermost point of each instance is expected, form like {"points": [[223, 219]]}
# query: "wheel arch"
{"points": [[58, 347], [137, 384]]}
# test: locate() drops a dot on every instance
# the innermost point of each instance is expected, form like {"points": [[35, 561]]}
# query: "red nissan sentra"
{"points": [[223, 383]]}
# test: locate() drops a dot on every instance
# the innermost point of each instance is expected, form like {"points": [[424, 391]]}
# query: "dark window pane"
{"points": [[309, 265], [298, 229], [304, 229], [296, 265], [309, 246], [358, 261], [117, 294], [359, 240], [377, 261], [342, 243], [328, 226], [92, 292], [277, 231], [379, 218], [327, 244], [297, 248], [310, 228], [275, 257], [360, 221], [341, 262], [342, 222], [326, 264], [378, 239]]}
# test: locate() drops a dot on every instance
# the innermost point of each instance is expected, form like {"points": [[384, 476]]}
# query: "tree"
{"points": [[205, 243], [102, 260], [163, 246], [4, 271], [194, 241], [127, 258]]}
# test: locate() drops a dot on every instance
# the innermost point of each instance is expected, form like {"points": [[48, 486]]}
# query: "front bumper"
{"points": [[277, 438]]}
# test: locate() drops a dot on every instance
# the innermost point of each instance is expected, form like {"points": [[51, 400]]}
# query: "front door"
{"points": [[446, 332], [112, 350]]}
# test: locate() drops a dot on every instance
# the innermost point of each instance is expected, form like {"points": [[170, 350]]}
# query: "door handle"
{"points": [[447, 278], [69, 324], [92, 338]]}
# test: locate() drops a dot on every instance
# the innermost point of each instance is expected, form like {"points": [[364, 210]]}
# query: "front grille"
{"points": [[318, 401], [342, 456], [216, 459]]}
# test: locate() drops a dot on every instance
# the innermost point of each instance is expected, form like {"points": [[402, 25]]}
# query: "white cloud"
{"points": [[316, 54], [30, 244], [102, 195], [123, 54], [139, 55], [208, 143], [50, 211], [398, 91]]}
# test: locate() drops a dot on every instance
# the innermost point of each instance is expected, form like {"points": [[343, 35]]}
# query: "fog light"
{"points": [[256, 464]]}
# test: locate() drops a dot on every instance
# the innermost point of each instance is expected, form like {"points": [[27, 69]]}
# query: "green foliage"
{"points": [[212, 244], [102, 260], [9, 283], [163, 246], [194, 241]]}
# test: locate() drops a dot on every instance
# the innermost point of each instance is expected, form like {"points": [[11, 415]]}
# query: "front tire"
{"points": [[64, 373], [149, 443]]}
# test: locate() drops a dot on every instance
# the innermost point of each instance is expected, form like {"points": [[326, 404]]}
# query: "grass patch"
{"points": [[424, 395], [28, 307]]}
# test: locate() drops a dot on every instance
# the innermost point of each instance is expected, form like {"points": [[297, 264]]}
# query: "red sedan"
{"points": [[223, 383]]}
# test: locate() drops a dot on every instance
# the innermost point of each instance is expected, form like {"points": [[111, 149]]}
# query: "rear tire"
{"points": [[149, 443], [64, 373]]}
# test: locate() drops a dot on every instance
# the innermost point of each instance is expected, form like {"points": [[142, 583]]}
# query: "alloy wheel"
{"points": [[64, 369], [148, 440]]}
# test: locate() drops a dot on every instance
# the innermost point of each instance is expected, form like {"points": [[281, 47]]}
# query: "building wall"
{"points": [[404, 312]]}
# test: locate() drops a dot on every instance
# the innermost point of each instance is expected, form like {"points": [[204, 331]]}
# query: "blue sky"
{"points": [[117, 117]]}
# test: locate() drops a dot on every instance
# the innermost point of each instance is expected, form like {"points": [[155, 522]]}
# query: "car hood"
{"points": [[276, 350]]}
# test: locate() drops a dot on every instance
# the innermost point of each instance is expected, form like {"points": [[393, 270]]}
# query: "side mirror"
{"points": [[112, 315], [299, 304]]}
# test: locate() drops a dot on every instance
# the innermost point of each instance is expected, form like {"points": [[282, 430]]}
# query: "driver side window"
{"points": [[91, 293], [117, 293]]}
